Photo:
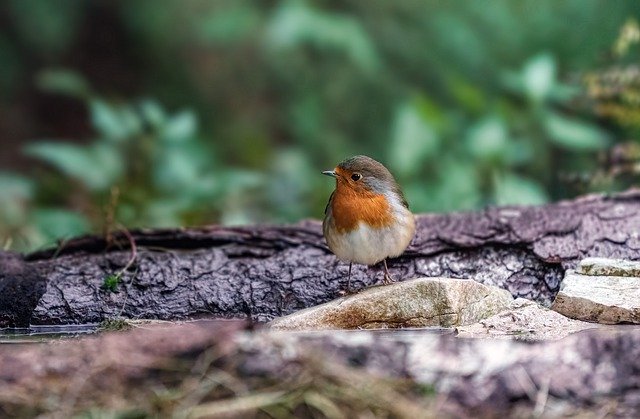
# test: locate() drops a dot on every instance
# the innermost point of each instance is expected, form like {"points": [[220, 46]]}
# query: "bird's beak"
{"points": [[331, 173]]}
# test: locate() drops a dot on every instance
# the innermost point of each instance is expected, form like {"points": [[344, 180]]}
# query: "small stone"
{"points": [[600, 299], [421, 302], [609, 267], [524, 320]]}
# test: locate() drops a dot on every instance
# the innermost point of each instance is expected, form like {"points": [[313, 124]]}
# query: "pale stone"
{"points": [[524, 320], [600, 299], [608, 267], [421, 302]]}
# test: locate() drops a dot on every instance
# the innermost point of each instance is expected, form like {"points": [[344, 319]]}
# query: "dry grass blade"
{"points": [[235, 406], [324, 405]]}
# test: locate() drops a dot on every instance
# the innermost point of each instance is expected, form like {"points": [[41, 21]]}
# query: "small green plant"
{"points": [[110, 282], [112, 325], [426, 389]]}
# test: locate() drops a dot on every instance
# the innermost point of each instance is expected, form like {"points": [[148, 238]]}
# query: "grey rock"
{"points": [[524, 320], [418, 302], [608, 267], [600, 299]]}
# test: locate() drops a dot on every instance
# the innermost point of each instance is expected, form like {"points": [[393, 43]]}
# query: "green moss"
{"points": [[111, 325], [110, 283]]}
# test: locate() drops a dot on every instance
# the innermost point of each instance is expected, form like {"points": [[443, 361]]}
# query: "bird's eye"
{"points": [[356, 176]]}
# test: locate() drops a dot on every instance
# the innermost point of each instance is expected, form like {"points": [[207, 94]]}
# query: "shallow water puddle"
{"points": [[41, 334]]}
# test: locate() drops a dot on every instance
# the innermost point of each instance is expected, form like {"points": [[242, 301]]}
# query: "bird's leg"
{"points": [[349, 279], [387, 275]]}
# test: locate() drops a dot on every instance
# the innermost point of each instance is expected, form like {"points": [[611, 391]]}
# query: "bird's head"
{"points": [[364, 176]]}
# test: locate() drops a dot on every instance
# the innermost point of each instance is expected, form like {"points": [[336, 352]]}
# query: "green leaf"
{"points": [[539, 76], [17, 191], [14, 187], [65, 82], [455, 186], [412, 141], [575, 135], [488, 139], [163, 213], [180, 127], [295, 24], [519, 151], [239, 180], [152, 113], [175, 170], [130, 120], [96, 166], [108, 165], [467, 94], [57, 223], [458, 184], [71, 159], [292, 180], [511, 189], [106, 120], [563, 92], [114, 122]]}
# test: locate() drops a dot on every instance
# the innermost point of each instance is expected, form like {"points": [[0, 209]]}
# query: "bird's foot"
{"points": [[387, 276], [387, 279]]}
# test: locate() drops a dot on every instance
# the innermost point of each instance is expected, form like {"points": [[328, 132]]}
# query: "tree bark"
{"points": [[261, 272]]}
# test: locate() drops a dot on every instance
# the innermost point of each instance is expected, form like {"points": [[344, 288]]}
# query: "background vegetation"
{"points": [[169, 113]]}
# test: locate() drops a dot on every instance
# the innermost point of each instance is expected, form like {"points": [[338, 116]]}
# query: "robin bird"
{"points": [[367, 218]]}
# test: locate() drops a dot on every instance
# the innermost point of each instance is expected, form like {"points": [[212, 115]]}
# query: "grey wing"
{"points": [[326, 208], [402, 198]]}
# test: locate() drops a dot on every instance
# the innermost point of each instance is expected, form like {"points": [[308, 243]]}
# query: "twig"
{"points": [[61, 244], [541, 398], [134, 252], [112, 281], [236, 405]]}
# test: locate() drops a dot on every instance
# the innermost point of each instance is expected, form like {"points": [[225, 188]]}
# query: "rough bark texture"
{"points": [[265, 271], [591, 374]]}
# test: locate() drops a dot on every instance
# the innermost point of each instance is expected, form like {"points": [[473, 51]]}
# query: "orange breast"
{"points": [[349, 207]]}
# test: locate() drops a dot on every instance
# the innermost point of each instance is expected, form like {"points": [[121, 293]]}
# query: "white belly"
{"points": [[368, 245]]}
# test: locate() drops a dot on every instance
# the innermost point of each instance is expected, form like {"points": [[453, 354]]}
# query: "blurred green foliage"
{"points": [[468, 103], [615, 89]]}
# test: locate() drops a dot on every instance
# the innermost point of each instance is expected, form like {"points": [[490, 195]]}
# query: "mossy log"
{"points": [[260, 272]]}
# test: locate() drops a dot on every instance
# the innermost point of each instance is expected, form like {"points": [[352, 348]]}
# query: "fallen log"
{"points": [[261, 272]]}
